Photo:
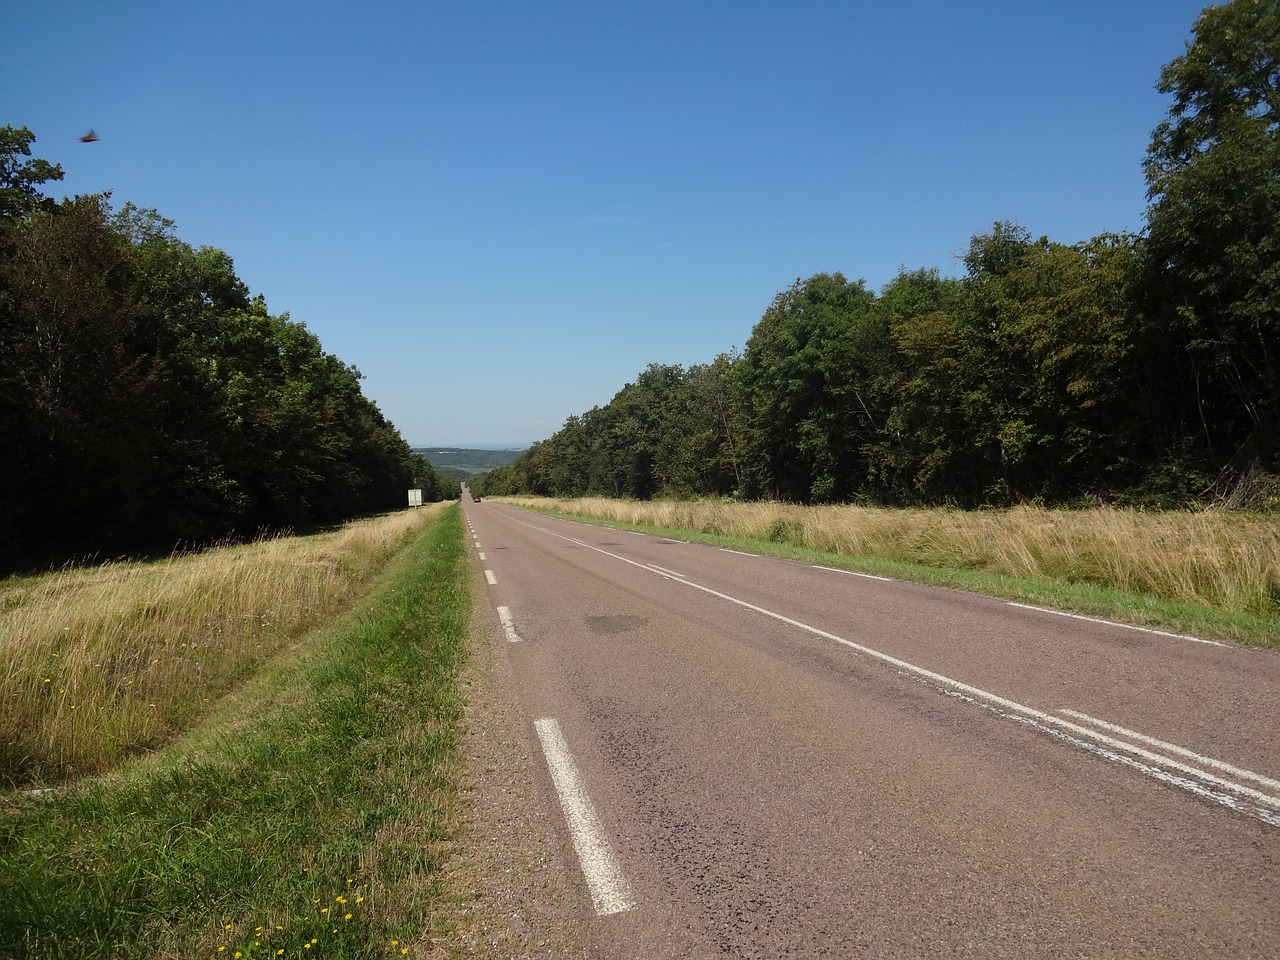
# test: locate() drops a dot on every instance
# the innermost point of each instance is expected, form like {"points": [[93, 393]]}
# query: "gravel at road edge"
{"points": [[509, 895]]}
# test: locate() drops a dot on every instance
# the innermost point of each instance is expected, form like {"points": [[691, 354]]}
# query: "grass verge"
{"points": [[100, 664], [306, 818], [1212, 575]]}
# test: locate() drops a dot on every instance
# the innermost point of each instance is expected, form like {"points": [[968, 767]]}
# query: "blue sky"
{"points": [[501, 212]]}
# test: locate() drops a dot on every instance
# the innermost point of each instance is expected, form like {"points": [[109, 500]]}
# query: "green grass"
{"points": [[1089, 599], [307, 819]]}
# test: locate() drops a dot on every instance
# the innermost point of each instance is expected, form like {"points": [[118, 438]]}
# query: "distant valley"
{"points": [[462, 463]]}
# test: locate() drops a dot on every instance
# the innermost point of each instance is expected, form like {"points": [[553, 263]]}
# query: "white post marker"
{"points": [[610, 892]]}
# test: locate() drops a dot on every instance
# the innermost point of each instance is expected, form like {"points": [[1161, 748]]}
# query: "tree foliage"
{"points": [[1213, 175], [147, 399]]}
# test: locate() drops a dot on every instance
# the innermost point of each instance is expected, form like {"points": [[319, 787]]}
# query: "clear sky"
{"points": [[501, 212]]}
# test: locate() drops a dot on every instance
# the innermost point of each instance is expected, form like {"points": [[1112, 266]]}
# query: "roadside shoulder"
{"points": [[507, 888]]}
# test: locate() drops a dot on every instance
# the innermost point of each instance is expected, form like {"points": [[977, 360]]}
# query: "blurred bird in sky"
{"points": [[90, 137]]}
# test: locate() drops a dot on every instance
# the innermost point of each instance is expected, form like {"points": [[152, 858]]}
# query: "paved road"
{"points": [[752, 757]]}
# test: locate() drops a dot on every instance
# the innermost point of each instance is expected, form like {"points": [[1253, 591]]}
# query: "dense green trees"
{"points": [[1124, 368], [1213, 173], [147, 399]]}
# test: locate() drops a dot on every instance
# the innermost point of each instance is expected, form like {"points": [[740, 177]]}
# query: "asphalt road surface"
{"points": [[752, 757]]}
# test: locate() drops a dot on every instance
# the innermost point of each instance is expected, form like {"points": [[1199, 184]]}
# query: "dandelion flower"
{"points": [[347, 917]]}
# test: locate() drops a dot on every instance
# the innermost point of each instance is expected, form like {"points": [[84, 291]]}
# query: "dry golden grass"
{"points": [[103, 662], [1222, 560]]}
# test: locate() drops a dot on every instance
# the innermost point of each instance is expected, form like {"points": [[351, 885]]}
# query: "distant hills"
{"points": [[462, 463]]}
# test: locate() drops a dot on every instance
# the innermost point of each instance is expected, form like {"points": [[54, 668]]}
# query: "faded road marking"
{"points": [[489, 575], [610, 892], [508, 625]]}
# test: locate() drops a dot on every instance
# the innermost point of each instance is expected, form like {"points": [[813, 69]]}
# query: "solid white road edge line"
{"points": [[610, 892], [489, 575], [1112, 623], [1172, 748], [508, 625], [853, 573], [1019, 710]]}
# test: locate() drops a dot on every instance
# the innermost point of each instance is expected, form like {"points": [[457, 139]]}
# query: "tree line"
{"points": [[148, 400], [1128, 368]]}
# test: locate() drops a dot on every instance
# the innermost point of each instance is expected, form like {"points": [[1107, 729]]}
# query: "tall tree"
{"points": [[927, 386], [1060, 323], [1213, 175], [20, 179], [799, 376]]}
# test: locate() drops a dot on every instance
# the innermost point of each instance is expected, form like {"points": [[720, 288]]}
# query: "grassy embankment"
{"points": [[1212, 574], [274, 729]]}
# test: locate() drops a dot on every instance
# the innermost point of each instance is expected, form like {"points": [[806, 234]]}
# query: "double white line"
{"points": [[1211, 778]]}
